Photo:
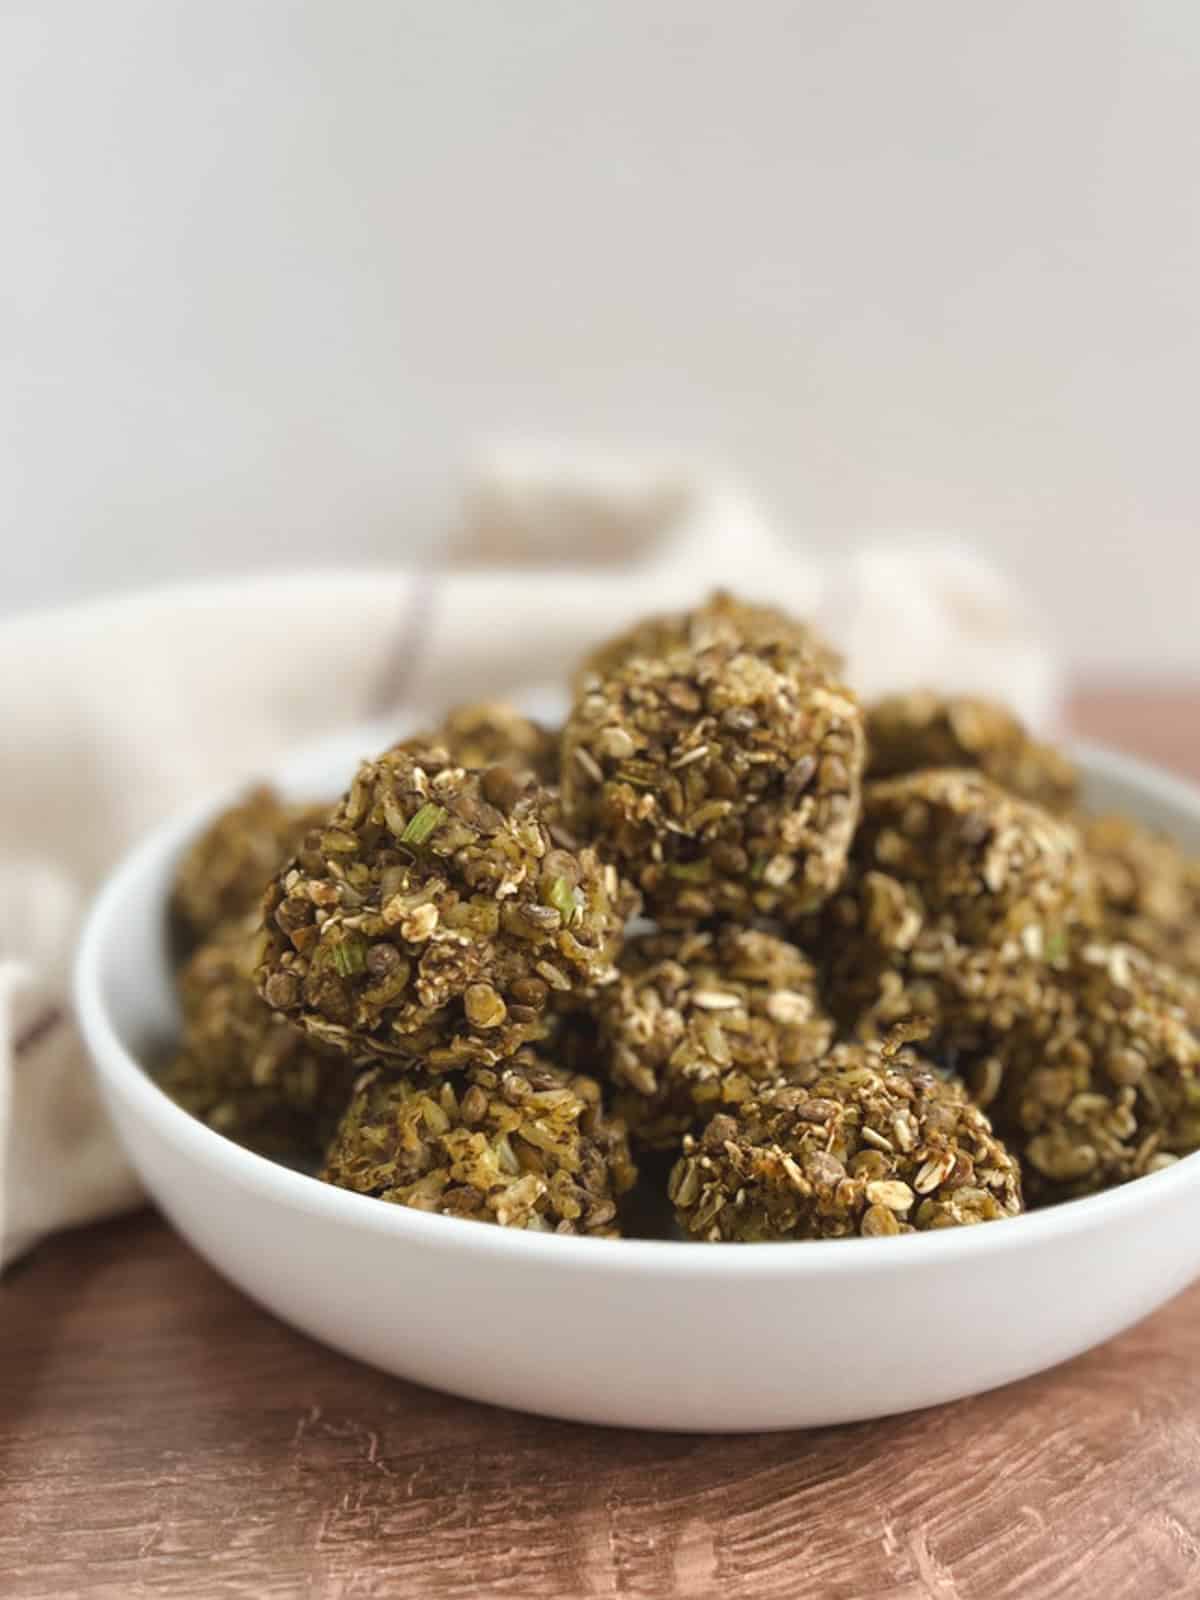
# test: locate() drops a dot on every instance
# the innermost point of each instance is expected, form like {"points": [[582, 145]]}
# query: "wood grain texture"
{"points": [[159, 1435]]}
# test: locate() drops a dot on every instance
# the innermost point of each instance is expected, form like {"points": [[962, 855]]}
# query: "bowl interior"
{"points": [[125, 983]]}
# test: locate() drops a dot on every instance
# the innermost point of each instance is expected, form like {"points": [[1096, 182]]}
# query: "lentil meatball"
{"points": [[524, 1145], [430, 922], [723, 783], [701, 1021], [876, 1144]]}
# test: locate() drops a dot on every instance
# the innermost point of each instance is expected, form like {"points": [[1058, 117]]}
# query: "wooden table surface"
{"points": [[160, 1435]]}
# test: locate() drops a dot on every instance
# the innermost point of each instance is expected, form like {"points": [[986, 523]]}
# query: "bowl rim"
{"points": [[127, 1079]]}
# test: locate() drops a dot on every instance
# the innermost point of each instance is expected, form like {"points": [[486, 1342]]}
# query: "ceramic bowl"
{"points": [[641, 1333]]}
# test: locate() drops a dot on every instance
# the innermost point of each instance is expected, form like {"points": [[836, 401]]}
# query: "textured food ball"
{"points": [[1000, 871], [960, 1001], [1098, 1078], [513, 751], [913, 732], [699, 1022], [876, 1144], [224, 872], [524, 1144], [489, 733], [723, 783], [721, 620], [243, 1069], [429, 923], [955, 890], [1149, 890], [952, 883]]}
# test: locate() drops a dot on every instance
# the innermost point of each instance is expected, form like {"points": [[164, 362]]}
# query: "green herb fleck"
{"points": [[350, 955], [640, 774], [1056, 946], [423, 823], [562, 897], [691, 871]]}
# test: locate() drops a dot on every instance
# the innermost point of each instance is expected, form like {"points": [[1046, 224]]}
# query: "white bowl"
{"points": [[641, 1333]]}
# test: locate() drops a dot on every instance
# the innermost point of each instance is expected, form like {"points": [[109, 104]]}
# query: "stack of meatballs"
{"points": [[824, 971]]}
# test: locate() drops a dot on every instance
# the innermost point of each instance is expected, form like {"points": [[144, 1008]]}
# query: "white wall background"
{"points": [[268, 271]]}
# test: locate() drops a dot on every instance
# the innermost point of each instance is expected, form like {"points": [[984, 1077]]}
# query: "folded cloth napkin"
{"points": [[115, 713]]}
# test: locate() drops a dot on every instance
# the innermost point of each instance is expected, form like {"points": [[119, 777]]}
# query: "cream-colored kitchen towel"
{"points": [[116, 713]]}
